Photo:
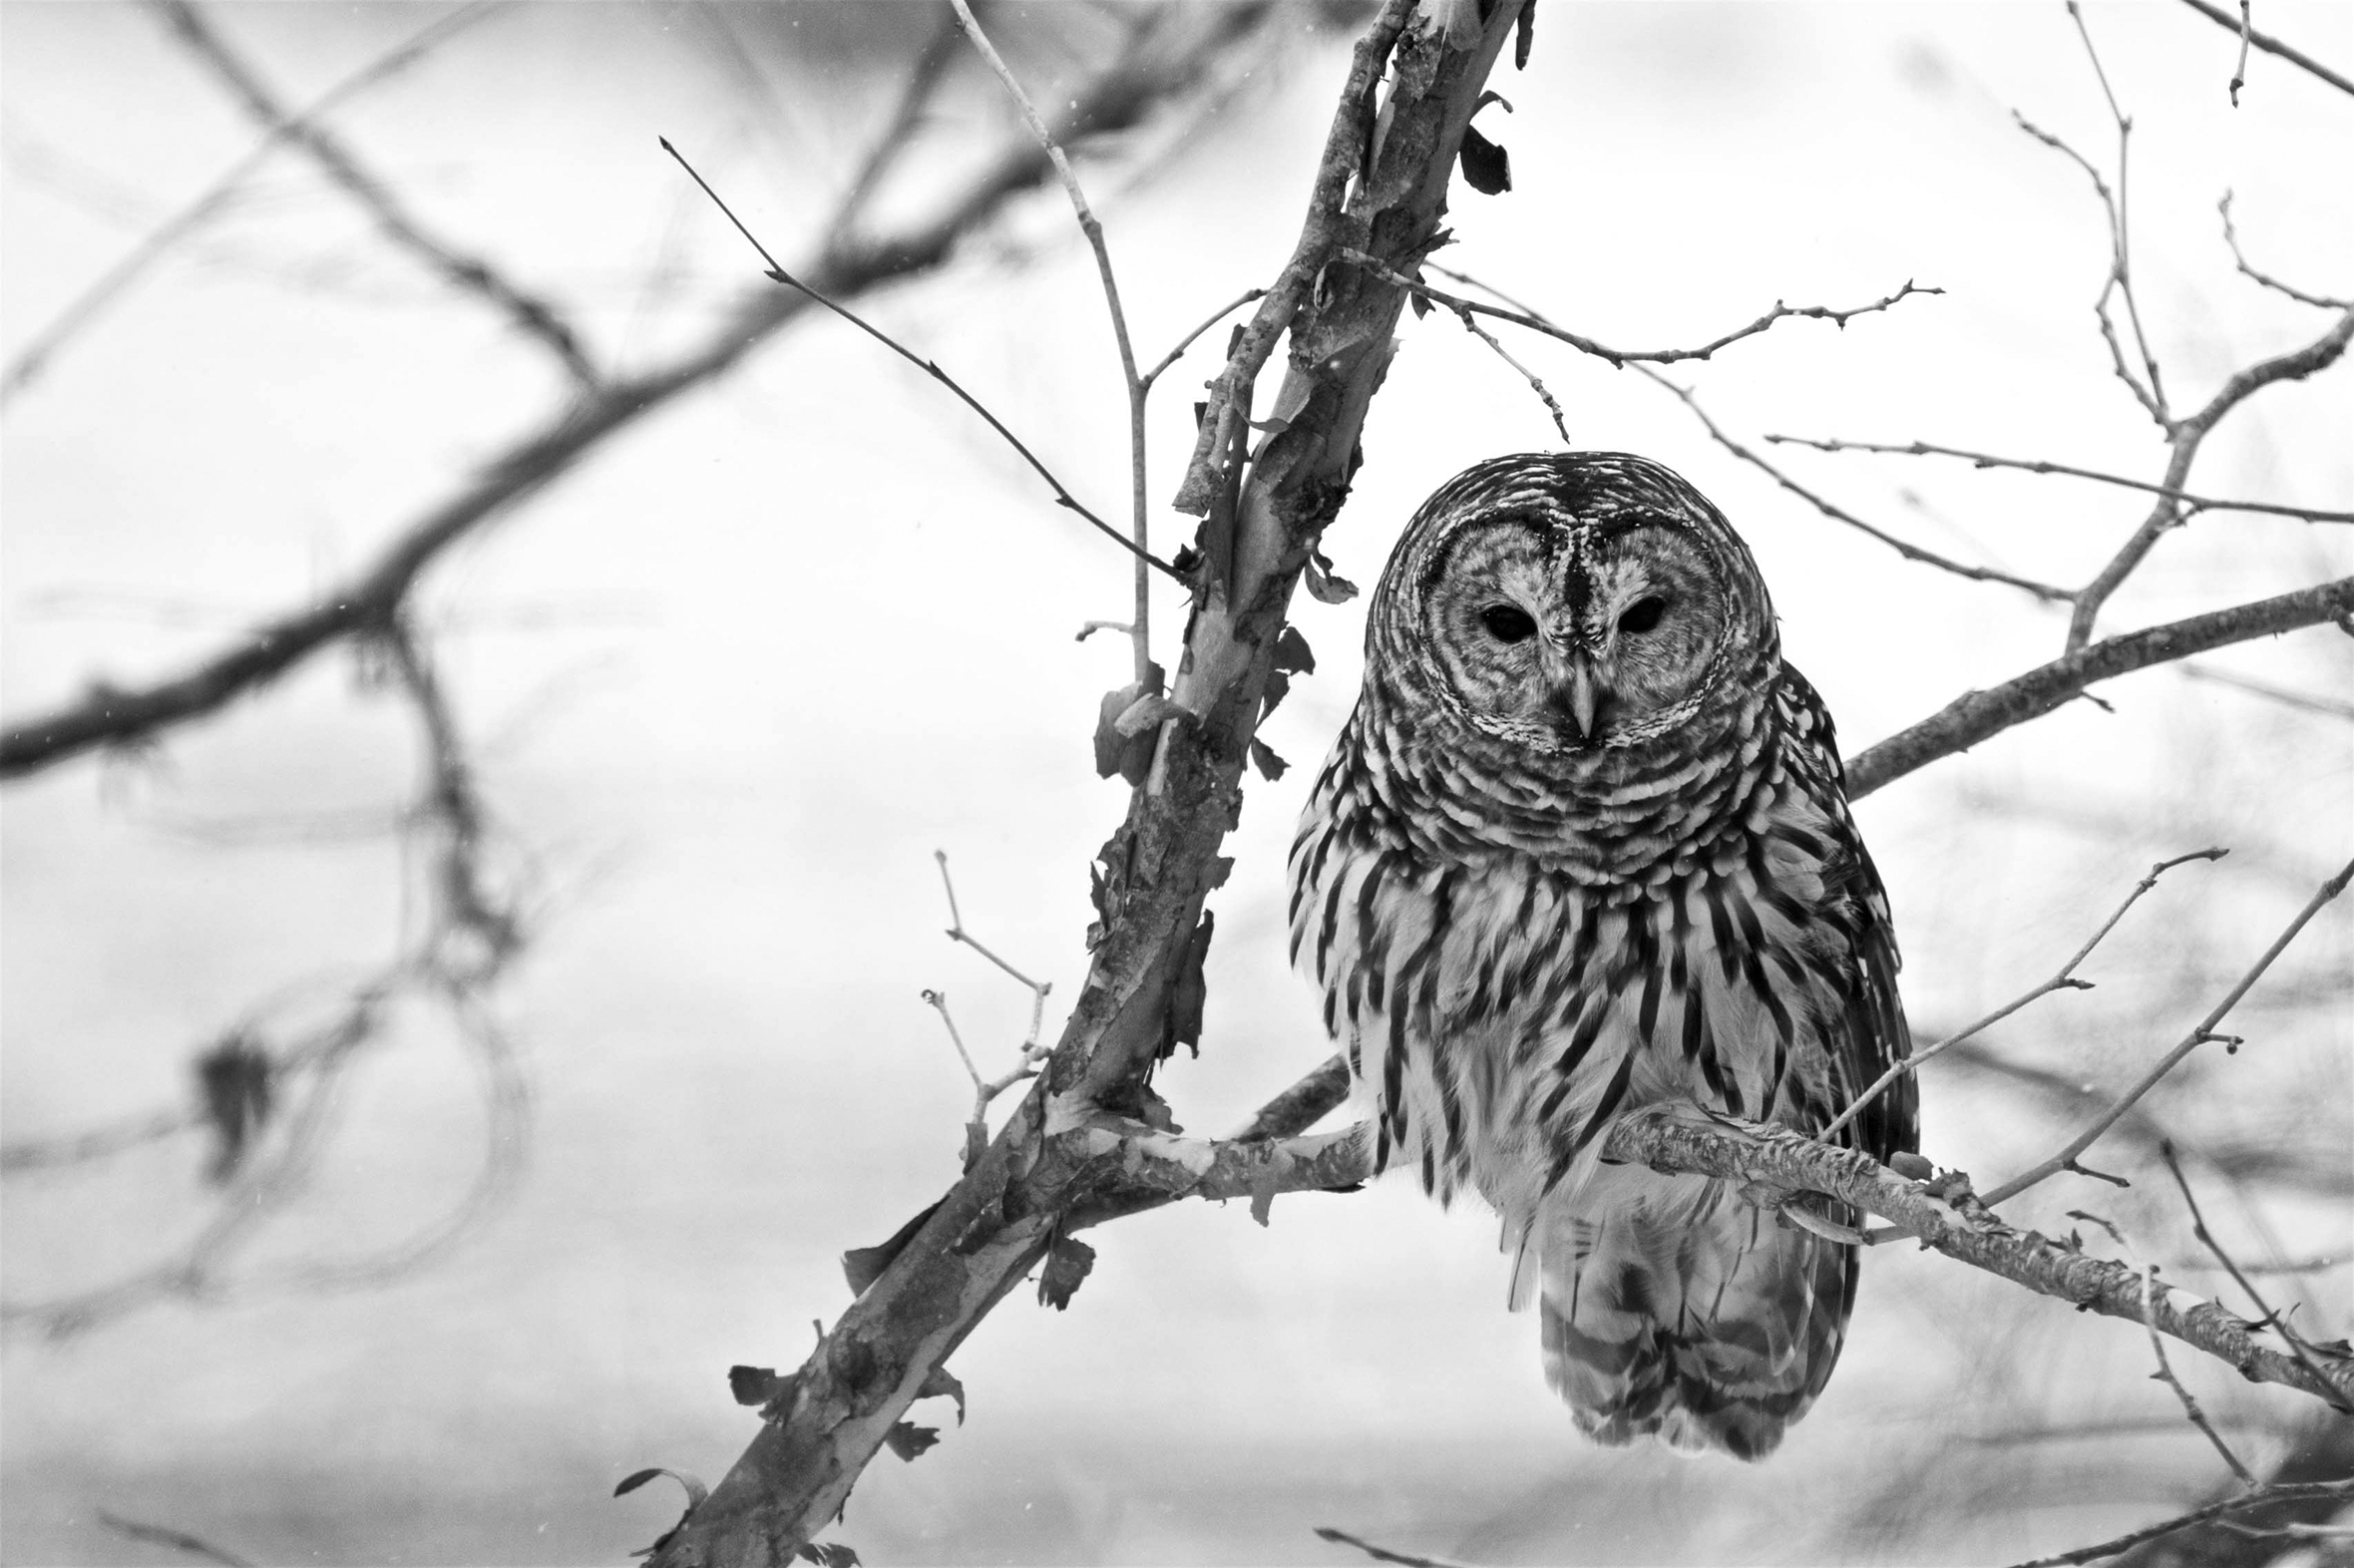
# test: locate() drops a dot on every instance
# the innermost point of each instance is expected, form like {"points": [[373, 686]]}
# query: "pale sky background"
{"points": [[735, 678]]}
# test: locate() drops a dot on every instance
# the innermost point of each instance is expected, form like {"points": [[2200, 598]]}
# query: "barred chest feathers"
{"points": [[1500, 1011]]}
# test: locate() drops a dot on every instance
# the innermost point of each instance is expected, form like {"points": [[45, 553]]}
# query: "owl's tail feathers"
{"points": [[1673, 1308]]}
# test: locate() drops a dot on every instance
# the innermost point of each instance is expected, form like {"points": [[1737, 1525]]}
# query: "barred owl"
{"points": [[1584, 845]]}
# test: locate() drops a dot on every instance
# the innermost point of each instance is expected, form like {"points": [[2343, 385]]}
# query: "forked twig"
{"points": [[2200, 1034], [986, 1090], [2266, 279], [1140, 626], [2158, 1348], [2064, 981], [2199, 1228]]}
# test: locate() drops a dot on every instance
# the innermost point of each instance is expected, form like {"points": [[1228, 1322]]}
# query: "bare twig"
{"points": [[2271, 44], [1380, 1554], [175, 1540], [2239, 67], [2038, 466], [2266, 279], [2048, 593], [2199, 1228], [1473, 326], [2200, 1034], [535, 316], [1062, 495], [1620, 356], [2166, 1372], [2256, 1500], [1140, 626], [2304, 702], [1980, 715], [35, 1154], [2064, 981], [1194, 336], [86, 306], [2185, 436]]}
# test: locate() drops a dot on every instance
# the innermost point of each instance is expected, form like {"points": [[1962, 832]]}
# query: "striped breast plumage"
{"points": [[1538, 886]]}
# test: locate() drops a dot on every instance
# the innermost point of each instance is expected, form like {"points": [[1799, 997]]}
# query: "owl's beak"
{"points": [[1579, 697]]}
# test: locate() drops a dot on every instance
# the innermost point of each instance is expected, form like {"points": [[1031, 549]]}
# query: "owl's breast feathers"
{"points": [[1510, 959]]}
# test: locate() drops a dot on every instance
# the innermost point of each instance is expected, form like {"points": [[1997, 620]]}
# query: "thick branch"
{"points": [[1980, 715], [1052, 1164]]}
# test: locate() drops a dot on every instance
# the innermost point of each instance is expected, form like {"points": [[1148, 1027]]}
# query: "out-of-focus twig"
{"points": [[2262, 1495], [2039, 465], [1380, 1554], [2200, 1034], [175, 1540], [2064, 981], [535, 316], [2199, 1228], [85, 306]]}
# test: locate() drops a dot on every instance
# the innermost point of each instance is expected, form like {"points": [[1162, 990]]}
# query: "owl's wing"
{"points": [[1872, 1036]]}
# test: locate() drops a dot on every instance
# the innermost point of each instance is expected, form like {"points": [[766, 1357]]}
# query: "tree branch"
{"points": [[533, 315], [2271, 44], [1980, 715], [1048, 1168]]}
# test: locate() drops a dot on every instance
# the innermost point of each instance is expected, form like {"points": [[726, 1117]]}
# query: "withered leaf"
{"points": [[752, 1385], [1293, 655], [908, 1440], [940, 1384], [827, 1554], [1324, 585], [1270, 765], [1190, 991], [239, 1083], [862, 1266], [1487, 168], [696, 1491], [1067, 1263]]}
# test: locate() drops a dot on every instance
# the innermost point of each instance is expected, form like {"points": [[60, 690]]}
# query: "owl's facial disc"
{"points": [[1572, 639]]}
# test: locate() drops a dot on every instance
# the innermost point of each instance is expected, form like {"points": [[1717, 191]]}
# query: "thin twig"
{"points": [[535, 316], [2292, 1492], [2239, 67], [1381, 1554], [2199, 1228], [1603, 351], [958, 933], [1473, 326], [2270, 46], [1140, 627], [1190, 338], [2064, 981], [1062, 495], [2200, 1034], [2038, 466], [2266, 279], [2185, 436], [2302, 702], [2165, 1374], [86, 306], [2153, 401], [2048, 593], [177, 1540]]}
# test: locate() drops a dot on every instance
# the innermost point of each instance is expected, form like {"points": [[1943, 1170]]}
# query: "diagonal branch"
{"points": [[1976, 716], [1037, 1178], [533, 315]]}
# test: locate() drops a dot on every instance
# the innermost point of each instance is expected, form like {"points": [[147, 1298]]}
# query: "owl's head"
{"points": [[1569, 602]]}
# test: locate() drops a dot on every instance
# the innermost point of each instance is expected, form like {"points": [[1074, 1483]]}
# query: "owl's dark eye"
{"points": [[1643, 614], [1507, 622]]}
